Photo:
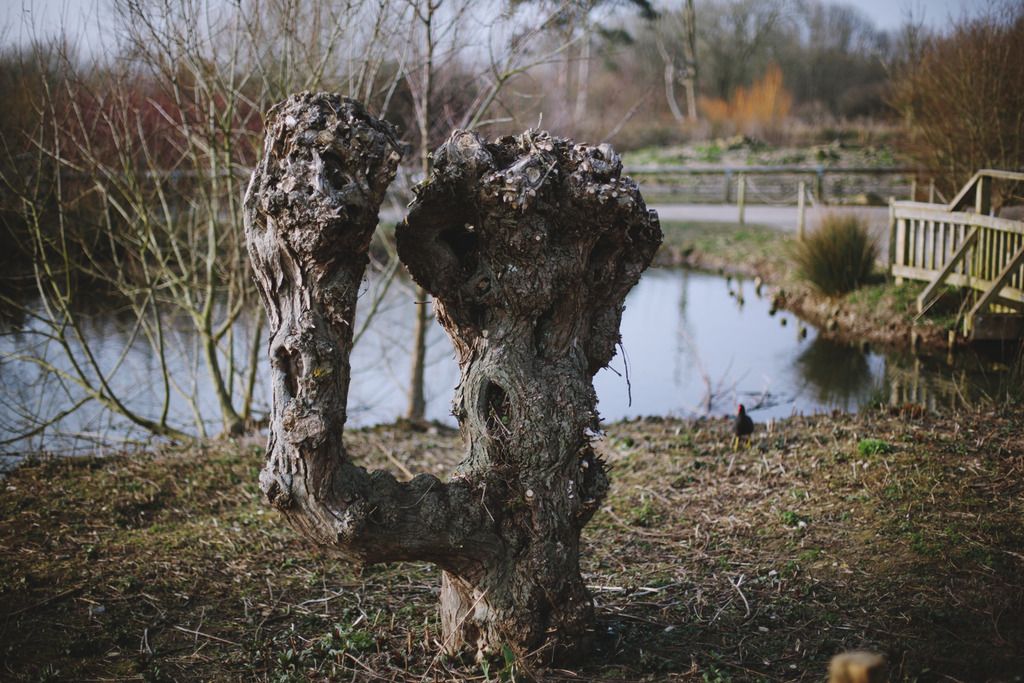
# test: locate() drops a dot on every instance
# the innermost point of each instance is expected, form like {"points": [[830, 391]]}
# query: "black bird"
{"points": [[742, 427]]}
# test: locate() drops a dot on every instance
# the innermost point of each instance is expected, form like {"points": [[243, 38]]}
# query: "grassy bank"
{"points": [[895, 531], [881, 312], [746, 250]]}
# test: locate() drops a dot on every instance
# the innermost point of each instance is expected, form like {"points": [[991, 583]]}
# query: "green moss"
{"points": [[645, 514], [810, 555]]}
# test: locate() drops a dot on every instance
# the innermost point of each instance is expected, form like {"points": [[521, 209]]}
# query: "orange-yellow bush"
{"points": [[755, 110]]}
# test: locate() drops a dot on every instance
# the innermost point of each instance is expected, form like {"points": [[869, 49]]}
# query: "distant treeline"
{"points": [[702, 68], [181, 88]]}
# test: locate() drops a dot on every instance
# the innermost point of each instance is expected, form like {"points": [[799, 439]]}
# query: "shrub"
{"points": [[838, 256], [757, 110]]}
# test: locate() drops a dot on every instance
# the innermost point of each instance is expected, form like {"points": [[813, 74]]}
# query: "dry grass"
{"points": [[748, 250], [837, 256], [706, 564]]}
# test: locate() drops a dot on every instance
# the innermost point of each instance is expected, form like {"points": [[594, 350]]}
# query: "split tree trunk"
{"points": [[529, 246]]}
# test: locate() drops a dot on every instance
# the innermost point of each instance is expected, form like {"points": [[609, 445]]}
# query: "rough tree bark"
{"points": [[529, 246], [310, 212]]}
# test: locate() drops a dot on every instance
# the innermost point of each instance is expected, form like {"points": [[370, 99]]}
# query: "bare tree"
{"points": [[421, 83], [577, 28], [441, 34], [732, 35], [529, 245], [679, 29], [143, 155], [960, 98]]}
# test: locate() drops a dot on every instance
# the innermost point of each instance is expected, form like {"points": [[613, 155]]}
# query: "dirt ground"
{"points": [[894, 530]]}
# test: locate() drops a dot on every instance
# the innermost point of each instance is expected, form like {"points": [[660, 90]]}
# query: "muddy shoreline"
{"points": [[847, 319]]}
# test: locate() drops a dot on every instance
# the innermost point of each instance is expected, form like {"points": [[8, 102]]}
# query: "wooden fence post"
{"points": [[801, 199], [742, 198], [983, 195], [891, 256]]}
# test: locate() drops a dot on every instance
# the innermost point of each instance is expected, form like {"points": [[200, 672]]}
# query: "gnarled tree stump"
{"points": [[529, 245]]}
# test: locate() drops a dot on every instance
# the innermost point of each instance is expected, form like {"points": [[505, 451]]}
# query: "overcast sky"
{"points": [[889, 14], [84, 18]]}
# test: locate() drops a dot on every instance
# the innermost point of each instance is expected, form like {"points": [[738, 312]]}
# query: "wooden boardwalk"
{"points": [[960, 244]]}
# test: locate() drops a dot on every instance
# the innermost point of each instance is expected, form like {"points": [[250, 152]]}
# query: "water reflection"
{"points": [[689, 347], [838, 374], [698, 344]]}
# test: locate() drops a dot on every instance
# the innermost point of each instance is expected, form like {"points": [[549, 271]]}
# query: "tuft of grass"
{"points": [[873, 447], [792, 519], [711, 152], [838, 256], [716, 675], [645, 514]]}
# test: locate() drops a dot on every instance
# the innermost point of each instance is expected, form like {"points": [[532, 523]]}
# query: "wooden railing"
{"points": [[771, 184], [946, 244]]}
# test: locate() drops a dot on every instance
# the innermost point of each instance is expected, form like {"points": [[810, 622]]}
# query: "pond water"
{"points": [[692, 344], [697, 344]]}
